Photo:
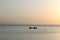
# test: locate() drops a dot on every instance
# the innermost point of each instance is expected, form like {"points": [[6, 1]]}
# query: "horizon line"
{"points": [[29, 24]]}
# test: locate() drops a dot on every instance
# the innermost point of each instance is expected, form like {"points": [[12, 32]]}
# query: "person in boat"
{"points": [[35, 27], [30, 28]]}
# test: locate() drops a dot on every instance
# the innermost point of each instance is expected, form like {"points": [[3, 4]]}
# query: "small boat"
{"points": [[33, 27]]}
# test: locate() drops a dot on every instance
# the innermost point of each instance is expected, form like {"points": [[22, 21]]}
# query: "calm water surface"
{"points": [[24, 33]]}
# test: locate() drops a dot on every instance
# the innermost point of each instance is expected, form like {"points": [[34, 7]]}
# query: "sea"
{"points": [[24, 33]]}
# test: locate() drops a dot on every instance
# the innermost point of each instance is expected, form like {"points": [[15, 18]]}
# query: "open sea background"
{"points": [[24, 33]]}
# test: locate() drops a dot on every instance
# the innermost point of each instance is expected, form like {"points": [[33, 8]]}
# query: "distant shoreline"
{"points": [[29, 25]]}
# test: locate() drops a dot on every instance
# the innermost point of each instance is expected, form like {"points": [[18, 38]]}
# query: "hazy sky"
{"points": [[29, 11]]}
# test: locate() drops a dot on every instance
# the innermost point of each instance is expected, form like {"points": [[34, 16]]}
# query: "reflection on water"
{"points": [[24, 33]]}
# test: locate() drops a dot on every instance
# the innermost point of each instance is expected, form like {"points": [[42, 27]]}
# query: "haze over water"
{"points": [[29, 12]]}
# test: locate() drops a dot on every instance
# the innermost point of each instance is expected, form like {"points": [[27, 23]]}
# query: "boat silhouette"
{"points": [[33, 27]]}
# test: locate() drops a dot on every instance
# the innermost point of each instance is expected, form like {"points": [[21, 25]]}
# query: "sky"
{"points": [[29, 11]]}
